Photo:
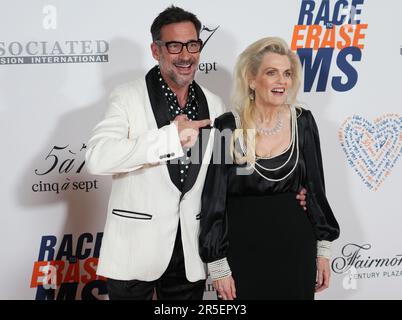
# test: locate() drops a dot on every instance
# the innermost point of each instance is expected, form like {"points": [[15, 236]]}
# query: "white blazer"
{"points": [[145, 206]]}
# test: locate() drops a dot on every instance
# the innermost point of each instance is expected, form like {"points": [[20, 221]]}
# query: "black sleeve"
{"points": [[213, 242], [325, 225]]}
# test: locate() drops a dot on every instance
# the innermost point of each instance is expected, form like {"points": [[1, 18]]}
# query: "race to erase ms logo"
{"points": [[66, 268], [329, 39]]}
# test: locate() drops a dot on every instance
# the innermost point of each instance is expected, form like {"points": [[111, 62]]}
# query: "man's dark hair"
{"points": [[170, 15]]}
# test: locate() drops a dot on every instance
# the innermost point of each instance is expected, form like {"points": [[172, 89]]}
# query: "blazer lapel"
{"points": [[162, 117], [200, 146]]}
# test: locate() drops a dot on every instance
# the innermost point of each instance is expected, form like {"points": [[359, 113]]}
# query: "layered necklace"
{"points": [[294, 144]]}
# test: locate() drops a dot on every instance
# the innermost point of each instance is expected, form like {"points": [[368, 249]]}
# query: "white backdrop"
{"points": [[52, 94]]}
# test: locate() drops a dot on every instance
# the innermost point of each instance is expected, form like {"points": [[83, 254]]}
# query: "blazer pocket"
{"points": [[132, 214]]}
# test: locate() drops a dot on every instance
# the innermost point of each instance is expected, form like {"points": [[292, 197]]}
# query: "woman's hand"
{"points": [[323, 274], [225, 288]]}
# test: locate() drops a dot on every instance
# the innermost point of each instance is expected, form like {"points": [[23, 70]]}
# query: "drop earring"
{"points": [[251, 93]]}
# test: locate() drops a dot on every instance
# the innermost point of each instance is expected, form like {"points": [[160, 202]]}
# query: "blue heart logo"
{"points": [[372, 149]]}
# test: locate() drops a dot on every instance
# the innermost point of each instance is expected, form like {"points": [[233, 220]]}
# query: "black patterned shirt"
{"points": [[190, 109]]}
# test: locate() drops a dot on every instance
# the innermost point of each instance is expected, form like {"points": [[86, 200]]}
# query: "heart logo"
{"points": [[372, 149]]}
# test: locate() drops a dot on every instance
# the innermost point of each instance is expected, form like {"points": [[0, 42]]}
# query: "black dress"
{"points": [[258, 225]]}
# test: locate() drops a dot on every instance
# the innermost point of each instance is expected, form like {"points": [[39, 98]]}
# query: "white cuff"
{"points": [[324, 249], [219, 269], [171, 142]]}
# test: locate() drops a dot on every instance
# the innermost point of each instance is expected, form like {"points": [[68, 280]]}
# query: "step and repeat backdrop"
{"points": [[59, 61]]}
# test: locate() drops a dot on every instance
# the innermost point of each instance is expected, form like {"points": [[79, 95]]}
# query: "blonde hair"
{"points": [[246, 67]]}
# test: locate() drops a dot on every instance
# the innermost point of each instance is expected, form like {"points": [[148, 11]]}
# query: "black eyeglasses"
{"points": [[175, 47]]}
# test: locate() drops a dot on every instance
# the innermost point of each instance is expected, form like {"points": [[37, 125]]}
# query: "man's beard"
{"points": [[178, 79]]}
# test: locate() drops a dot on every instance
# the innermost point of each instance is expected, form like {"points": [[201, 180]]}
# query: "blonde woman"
{"points": [[257, 240]]}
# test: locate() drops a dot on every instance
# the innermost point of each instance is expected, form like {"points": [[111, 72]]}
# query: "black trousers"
{"points": [[172, 285]]}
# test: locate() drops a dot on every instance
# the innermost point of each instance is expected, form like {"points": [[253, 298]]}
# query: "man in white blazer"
{"points": [[150, 241]]}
